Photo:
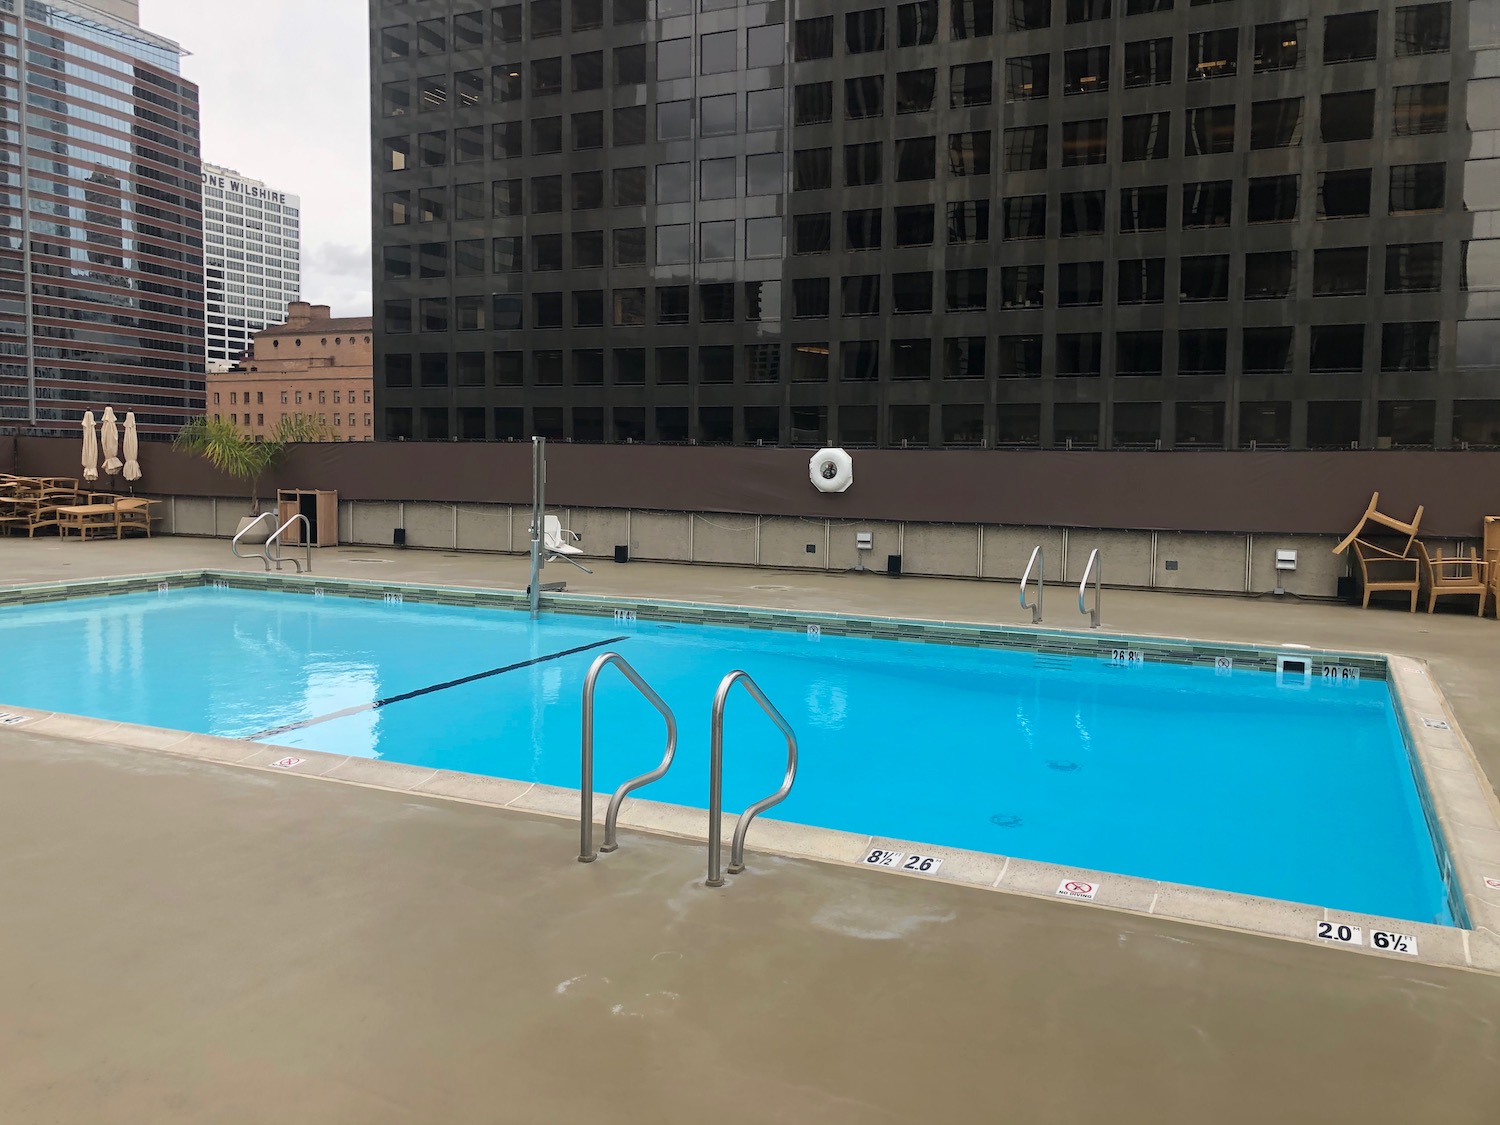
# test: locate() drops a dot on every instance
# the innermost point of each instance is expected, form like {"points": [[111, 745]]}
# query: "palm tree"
{"points": [[230, 450]]}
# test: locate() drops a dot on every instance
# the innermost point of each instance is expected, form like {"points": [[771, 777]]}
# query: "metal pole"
{"points": [[538, 506], [716, 783], [586, 852]]}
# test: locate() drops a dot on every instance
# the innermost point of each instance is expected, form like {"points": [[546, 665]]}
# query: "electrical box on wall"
{"points": [[864, 540], [1286, 560]]}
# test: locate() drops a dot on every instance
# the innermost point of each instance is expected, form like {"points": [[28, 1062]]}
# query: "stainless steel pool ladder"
{"points": [[234, 544], [274, 544], [716, 778], [1039, 564], [1096, 567], [586, 852]]}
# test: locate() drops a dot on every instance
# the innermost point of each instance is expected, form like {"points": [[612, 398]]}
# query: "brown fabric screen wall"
{"points": [[1286, 492]]}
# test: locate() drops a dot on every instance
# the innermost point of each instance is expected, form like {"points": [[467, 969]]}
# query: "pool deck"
{"points": [[209, 943]]}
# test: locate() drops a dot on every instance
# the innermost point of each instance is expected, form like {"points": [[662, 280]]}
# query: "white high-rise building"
{"points": [[252, 256]]}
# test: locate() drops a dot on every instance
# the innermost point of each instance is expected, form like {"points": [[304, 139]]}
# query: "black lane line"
{"points": [[433, 688]]}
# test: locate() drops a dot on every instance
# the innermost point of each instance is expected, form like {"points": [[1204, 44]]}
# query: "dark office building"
{"points": [[1003, 223], [101, 228]]}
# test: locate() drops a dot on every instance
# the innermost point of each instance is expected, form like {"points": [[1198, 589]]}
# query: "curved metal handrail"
{"points": [[234, 544], [716, 778], [1096, 566], [1040, 564], [586, 852], [274, 540]]}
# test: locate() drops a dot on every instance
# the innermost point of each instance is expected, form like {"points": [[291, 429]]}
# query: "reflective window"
{"points": [[1080, 283], [546, 18], [588, 190], [674, 59], [1476, 422], [763, 298], [588, 249], [546, 135], [1142, 281], [970, 84], [674, 183], [546, 76], [1018, 424], [674, 120], [674, 244], [1273, 199], [1344, 195], [916, 24], [586, 14], [969, 154], [1213, 54], [1204, 277], [916, 158], [1210, 130], [1271, 275], [861, 295], [864, 97], [506, 255], [1084, 142], [810, 363], [1148, 62], [812, 169], [1138, 353], [588, 71], [432, 93], [1028, 77], [1276, 124], [716, 303], [810, 298], [1138, 424], [630, 64], [1026, 148], [1405, 424], [1022, 287], [915, 225], [588, 130], [1083, 11], [506, 82], [546, 310], [396, 98], [629, 125], [974, 19], [673, 304], [1267, 351], [1279, 46], [963, 424], [630, 246], [1409, 347], [762, 365], [1349, 116], [432, 37], [1199, 424], [1332, 425], [1350, 36], [1420, 109], [859, 361], [1422, 29], [914, 90], [395, 42], [966, 289], [546, 252], [1145, 136], [813, 38], [1019, 357], [862, 229], [812, 103], [969, 221], [1207, 204], [765, 46], [764, 174], [864, 31], [862, 164], [1415, 267], [1418, 187], [1337, 347], [506, 24], [1082, 213], [1025, 216], [717, 178], [1080, 355], [1086, 70], [812, 234], [764, 109], [911, 292], [1143, 208], [629, 187], [1202, 351], [1340, 270], [963, 357], [720, 51]]}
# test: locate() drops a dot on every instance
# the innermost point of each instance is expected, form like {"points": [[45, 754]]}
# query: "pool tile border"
{"points": [[1460, 805]]}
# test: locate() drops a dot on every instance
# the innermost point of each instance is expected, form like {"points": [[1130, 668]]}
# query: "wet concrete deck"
{"points": [[188, 942]]}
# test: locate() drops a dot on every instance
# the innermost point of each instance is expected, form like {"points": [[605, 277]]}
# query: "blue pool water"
{"points": [[1160, 771]]}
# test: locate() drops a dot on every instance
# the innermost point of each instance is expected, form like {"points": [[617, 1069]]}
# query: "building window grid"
{"points": [[866, 32]]}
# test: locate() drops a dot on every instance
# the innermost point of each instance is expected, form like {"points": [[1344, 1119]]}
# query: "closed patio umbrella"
{"points": [[109, 440], [132, 449], [90, 447]]}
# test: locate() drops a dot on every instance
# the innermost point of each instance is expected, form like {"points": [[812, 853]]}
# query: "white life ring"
{"points": [[831, 470]]}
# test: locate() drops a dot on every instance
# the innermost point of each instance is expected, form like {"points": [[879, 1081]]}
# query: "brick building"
{"points": [[314, 364]]}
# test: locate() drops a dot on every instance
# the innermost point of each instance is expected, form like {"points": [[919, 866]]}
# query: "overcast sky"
{"points": [[285, 99]]}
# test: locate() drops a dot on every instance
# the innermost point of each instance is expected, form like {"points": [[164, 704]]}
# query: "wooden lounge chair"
{"points": [[1383, 571], [1381, 520], [1449, 575]]}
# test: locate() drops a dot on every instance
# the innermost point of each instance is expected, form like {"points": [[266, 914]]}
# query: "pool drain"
{"points": [[1005, 820], [1062, 765]]}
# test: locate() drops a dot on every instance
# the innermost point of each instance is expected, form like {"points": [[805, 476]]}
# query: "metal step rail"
{"points": [[586, 853], [274, 544], [1037, 563], [263, 554], [716, 777], [1096, 567]]}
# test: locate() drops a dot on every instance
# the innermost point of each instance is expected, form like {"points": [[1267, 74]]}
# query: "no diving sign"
{"points": [[1077, 888], [288, 763]]}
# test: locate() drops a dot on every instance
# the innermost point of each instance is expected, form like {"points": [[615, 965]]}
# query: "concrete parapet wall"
{"points": [[1210, 562]]}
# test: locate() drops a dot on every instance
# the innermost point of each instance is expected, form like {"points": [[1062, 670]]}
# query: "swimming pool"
{"points": [[1205, 775]]}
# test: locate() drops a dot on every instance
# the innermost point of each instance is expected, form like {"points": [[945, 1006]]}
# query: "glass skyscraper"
{"points": [[101, 232], [1003, 223]]}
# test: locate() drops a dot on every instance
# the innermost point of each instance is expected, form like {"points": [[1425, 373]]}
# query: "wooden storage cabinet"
{"points": [[321, 509]]}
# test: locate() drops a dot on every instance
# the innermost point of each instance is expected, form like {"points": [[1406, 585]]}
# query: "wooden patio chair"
{"points": [[1448, 575], [1382, 571], [1374, 516]]}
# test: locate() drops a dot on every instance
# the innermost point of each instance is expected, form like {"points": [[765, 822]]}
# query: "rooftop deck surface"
{"points": [[188, 942]]}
